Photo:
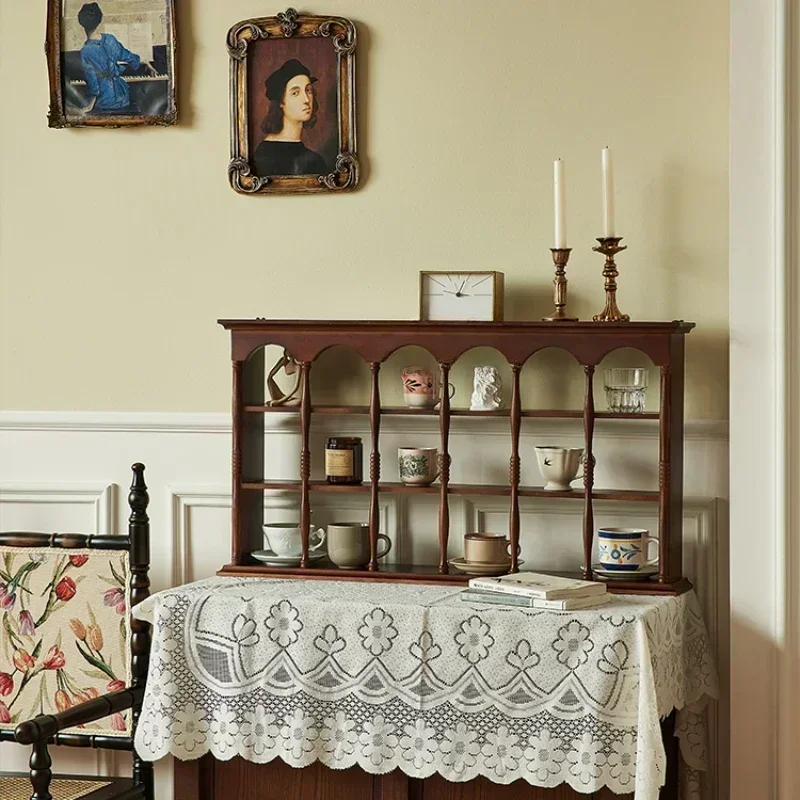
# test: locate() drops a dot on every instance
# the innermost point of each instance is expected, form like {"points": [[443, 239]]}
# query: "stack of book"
{"points": [[534, 590]]}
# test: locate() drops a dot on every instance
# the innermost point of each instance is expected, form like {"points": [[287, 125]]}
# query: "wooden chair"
{"points": [[70, 650]]}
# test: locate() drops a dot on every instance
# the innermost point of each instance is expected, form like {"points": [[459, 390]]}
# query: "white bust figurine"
{"points": [[486, 392]]}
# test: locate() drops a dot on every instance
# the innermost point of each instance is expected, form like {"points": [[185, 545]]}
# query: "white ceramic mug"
{"points": [[559, 467], [285, 539], [624, 549]]}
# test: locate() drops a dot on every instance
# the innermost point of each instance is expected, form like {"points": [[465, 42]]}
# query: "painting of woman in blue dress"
{"points": [[103, 59], [111, 62]]}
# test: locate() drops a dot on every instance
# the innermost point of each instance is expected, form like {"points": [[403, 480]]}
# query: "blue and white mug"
{"points": [[624, 549]]}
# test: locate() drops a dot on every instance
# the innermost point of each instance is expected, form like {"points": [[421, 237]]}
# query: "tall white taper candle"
{"points": [[560, 201], [609, 224]]}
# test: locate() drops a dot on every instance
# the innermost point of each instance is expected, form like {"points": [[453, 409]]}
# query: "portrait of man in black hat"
{"points": [[292, 109], [296, 121]]}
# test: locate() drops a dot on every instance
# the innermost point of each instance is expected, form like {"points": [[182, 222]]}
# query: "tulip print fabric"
{"points": [[65, 632], [389, 676]]}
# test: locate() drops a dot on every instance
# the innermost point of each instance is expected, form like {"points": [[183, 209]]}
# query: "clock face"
{"points": [[464, 296]]}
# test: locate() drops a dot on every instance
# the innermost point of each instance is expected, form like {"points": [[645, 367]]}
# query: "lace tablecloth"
{"points": [[387, 676]]}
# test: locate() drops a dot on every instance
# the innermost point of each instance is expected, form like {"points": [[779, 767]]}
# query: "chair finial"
{"points": [[138, 499]]}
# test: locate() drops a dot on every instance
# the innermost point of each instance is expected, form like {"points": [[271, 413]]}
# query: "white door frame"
{"points": [[764, 551]]}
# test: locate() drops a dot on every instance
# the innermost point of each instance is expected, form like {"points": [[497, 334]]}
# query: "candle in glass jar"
{"points": [[344, 459], [560, 203], [609, 226]]}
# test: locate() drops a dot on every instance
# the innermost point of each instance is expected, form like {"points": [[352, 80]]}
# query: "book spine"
{"points": [[517, 591]]}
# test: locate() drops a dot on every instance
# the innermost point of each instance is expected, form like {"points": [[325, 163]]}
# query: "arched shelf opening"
{"points": [[552, 378], [463, 377], [468, 464], [411, 359], [626, 358], [340, 377]]}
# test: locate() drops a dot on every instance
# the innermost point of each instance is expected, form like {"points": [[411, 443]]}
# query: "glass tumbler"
{"points": [[625, 389]]}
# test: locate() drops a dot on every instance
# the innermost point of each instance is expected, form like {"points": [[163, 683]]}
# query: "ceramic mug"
{"points": [[421, 387], [285, 539], [418, 466], [624, 549], [487, 548], [559, 466], [348, 544]]}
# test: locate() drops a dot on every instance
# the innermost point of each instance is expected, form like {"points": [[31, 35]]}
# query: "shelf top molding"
{"points": [[376, 340]]}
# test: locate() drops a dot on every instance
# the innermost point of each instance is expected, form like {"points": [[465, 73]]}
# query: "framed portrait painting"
{"points": [[293, 104], [111, 62]]}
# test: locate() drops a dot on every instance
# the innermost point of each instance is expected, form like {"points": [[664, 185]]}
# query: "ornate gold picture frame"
{"points": [[293, 104]]}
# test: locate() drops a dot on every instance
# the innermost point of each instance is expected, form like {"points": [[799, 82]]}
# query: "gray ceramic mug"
{"points": [[348, 544]]}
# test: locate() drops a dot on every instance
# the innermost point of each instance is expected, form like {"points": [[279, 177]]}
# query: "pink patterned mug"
{"points": [[421, 387]]}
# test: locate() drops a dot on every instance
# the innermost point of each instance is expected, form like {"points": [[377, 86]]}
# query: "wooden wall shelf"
{"points": [[454, 412], [629, 495], [588, 342]]}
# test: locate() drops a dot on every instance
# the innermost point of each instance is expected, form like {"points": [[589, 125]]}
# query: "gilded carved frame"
{"points": [[342, 34]]}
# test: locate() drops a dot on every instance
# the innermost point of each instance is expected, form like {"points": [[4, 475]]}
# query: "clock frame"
{"points": [[497, 290]]}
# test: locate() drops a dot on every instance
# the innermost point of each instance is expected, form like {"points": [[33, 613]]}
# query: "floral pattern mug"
{"points": [[418, 466], [623, 549], [421, 387]]}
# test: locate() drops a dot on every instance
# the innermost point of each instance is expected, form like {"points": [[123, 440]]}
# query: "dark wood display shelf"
{"points": [[420, 573], [630, 495], [454, 412], [375, 341]]}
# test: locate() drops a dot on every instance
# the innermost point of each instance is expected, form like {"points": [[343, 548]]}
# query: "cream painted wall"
{"points": [[120, 249]]}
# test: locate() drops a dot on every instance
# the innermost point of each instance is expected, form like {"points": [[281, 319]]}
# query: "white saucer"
{"points": [[643, 574], [268, 557], [471, 568]]}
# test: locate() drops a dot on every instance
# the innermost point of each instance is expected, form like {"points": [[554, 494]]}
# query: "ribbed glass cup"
{"points": [[625, 389]]}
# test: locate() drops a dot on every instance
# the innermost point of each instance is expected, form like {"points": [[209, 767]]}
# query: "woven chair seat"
{"points": [[14, 787]]}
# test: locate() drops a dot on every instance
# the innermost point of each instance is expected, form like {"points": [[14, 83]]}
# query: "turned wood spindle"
{"points": [[664, 468], [588, 473], [237, 539], [139, 535], [305, 461], [444, 468], [514, 469], [41, 772], [374, 465]]}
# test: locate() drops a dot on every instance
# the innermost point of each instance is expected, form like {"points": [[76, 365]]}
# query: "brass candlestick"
{"points": [[609, 247], [560, 258]]}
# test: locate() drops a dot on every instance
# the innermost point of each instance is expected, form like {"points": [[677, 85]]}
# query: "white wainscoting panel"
{"points": [[188, 475]]}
